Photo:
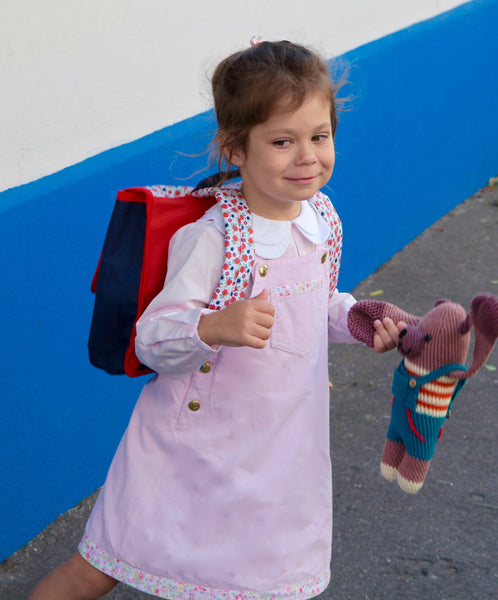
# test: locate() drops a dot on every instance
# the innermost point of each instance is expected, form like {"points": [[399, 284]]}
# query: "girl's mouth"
{"points": [[301, 180]]}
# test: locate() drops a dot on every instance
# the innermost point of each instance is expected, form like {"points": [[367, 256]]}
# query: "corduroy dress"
{"points": [[221, 486]]}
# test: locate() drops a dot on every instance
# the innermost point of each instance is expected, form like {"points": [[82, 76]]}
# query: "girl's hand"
{"points": [[386, 336], [243, 323]]}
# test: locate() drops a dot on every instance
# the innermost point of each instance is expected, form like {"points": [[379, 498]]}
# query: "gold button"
{"points": [[205, 368], [323, 258], [194, 405], [263, 270], [412, 383]]}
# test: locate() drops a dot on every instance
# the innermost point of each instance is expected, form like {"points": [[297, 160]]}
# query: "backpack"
{"points": [[133, 262]]}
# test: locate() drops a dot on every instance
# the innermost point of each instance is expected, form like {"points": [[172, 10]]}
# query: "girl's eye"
{"points": [[281, 143], [319, 137]]}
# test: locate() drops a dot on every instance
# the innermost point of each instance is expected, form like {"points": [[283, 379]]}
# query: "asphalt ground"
{"points": [[439, 544]]}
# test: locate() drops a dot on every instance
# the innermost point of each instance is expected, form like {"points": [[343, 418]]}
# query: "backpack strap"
{"points": [[133, 262], [324, 206], [239, 243], [239, 246], [167, 191]]}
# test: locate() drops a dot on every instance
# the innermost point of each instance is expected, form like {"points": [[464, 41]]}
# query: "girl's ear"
{"points": [[236, 156], [233, 154]]}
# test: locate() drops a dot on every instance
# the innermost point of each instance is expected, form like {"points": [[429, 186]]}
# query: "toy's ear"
{"points": [[362, 315], [483, 316]]}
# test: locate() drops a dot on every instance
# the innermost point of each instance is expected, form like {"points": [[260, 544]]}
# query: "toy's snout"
{"points": [[411, 341]]}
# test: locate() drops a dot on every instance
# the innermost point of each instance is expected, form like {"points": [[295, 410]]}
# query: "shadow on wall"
{"points": [[419, 138]]}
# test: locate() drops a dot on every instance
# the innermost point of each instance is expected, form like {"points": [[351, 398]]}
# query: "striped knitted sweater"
{"points": [[434, 397]]}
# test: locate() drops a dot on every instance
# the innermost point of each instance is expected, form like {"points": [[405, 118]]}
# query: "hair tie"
{"points": [[255, 40]]}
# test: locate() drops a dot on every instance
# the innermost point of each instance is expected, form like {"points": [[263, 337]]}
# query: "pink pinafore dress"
{"points": [[221, 486]]}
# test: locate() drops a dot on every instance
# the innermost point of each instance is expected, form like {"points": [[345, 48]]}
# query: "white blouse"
{"points": [[167, 338]]}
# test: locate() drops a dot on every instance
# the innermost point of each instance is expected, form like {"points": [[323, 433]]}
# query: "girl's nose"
{"points": [[305, 155]]}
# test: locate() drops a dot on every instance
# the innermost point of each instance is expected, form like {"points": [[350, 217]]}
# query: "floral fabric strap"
{"points": [[324, 206], [239, 247], [169, 191], [239, 242]]}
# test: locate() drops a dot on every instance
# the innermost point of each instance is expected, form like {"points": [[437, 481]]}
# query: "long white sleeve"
{"points": [[339, 306], [167, 340]]}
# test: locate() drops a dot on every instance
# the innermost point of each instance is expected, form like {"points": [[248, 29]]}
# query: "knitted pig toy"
{"points": [[429, 377]]}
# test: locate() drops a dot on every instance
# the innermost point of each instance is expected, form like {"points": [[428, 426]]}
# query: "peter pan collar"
{"points": [[272, 238]]}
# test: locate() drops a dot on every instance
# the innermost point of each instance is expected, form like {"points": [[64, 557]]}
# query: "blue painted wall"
{"points": [[418, 138], [421, 135]]}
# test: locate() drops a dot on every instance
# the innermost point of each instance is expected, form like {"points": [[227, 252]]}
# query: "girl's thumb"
{"points": [[263, 295]]}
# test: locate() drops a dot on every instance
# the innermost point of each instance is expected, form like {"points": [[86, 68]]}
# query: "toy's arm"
{"points": [[362, 315]]}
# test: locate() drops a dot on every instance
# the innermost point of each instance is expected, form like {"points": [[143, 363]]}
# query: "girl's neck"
{"points": [[284, 211], [290, 216]]}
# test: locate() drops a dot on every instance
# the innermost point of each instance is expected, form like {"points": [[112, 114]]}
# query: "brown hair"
{"points": [[248, 85]]}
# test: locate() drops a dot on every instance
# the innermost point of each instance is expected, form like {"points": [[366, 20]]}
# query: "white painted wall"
{"points": [[80, 76]]}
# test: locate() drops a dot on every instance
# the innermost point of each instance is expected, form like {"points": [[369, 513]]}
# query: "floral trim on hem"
{"points": [[174, 590]]}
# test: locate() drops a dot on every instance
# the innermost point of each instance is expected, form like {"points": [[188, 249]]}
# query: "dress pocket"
{"points": [[300, 317]]}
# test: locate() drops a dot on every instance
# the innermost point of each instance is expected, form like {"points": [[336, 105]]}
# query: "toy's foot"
{"points": [[391, 458], [411, 487], [411, 474], [388, 472]]}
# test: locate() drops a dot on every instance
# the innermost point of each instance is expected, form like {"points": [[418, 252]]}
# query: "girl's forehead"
{"points": [[315, 107]]}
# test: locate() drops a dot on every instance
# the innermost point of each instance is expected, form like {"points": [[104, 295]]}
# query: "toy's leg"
{"points": [[411, 474], [391, 458]]}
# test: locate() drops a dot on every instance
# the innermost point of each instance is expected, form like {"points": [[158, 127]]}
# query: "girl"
{"points": [[221, 486]]}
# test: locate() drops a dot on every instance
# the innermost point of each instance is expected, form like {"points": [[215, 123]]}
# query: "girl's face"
{"points": [[288, 158]]}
